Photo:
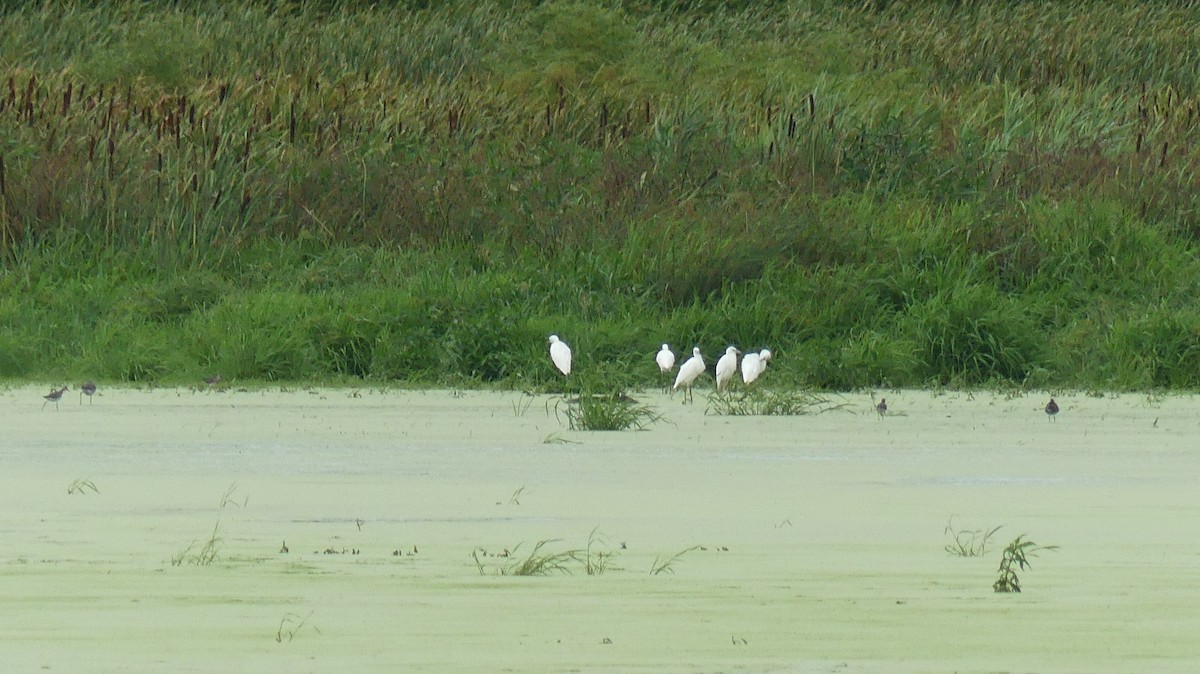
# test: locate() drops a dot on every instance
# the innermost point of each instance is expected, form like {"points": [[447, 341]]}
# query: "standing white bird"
{"points": [[560, 353], [666, 362], [751, 367], [691, 369], [754, 364], [726, 366]]}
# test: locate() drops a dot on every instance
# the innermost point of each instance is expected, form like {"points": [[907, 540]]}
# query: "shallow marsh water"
{"points": [[823, 536]]}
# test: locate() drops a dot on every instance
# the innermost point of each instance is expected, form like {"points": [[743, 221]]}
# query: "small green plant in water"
{"points": [[596, 556], [595, 559], [82, 486], [1016, 556], [668, 565], [538, 563], [209, 550], [290, 624], [968, 542]]}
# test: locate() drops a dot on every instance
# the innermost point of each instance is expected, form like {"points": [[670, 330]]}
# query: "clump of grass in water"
{"points": [[1017, 554], [768, 402], [209, 551], [82, 486], [594, 559], [536, 563], [668, 565], [605, 412], [290, 624], [968, 542]]}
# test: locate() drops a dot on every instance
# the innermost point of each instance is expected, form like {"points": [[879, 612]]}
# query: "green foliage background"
{"points": [[883, 193]]}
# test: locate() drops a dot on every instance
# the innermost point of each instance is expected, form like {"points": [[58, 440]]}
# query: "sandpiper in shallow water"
{"points": [[54, 397], [1051, 409]]}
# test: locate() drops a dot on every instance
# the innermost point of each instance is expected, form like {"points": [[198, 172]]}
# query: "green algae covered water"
{"points": [[366, 531]]}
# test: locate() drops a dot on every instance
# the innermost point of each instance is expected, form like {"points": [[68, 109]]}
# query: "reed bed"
{"points": [[899, 195]]}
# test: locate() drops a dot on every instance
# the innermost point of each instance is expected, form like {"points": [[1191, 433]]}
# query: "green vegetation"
{"points": [[760, 401], [208, 552], [605, 412], [1015, 556], [290, 624], [594, 559], [888, 194], [968, 542], [667, 565], [82, 486]]}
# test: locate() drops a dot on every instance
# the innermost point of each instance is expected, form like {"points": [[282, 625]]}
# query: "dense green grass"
{"points": [[882, 193]]}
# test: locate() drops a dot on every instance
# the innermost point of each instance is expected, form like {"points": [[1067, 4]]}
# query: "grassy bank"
{"points": [[922, 195]]}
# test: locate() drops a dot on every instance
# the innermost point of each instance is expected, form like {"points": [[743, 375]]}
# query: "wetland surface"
{"points": [[815, 543]]}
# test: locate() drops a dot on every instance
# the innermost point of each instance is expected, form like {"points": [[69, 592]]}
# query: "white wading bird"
{"points": [[560, 353], [726, 366], [691, 369], [754, 364], [666, 362]]}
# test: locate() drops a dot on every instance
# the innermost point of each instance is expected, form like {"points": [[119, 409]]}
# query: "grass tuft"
{"points": [[968, 542], [82, 486], [605, 412], [762, 401]]}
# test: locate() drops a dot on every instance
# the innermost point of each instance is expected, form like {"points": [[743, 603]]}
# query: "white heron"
{"points": [[691, 370], [726, 366], [666, 362], [560, 353], [754, 364]]}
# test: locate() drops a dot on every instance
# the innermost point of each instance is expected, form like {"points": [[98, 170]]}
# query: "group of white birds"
{"points": [[753, 364]]}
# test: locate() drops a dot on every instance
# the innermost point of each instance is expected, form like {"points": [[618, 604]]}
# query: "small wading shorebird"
{"points": [[881, 408], [665, 359], [560, 353], [53, 397], [212, 380], [691, 370], [1051, 409], [726, 366], [88, 388]]}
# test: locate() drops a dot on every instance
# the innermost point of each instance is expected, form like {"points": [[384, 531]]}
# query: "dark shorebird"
{"points": [[54, 397], [89, 387], [1051, 409], [212, 380], [881, 408]]}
